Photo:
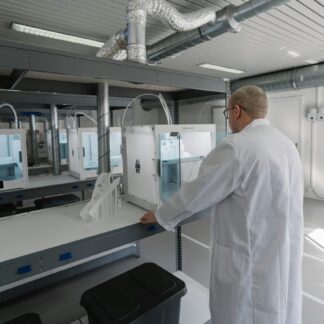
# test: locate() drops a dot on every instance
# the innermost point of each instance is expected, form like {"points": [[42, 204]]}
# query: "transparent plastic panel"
{"points": [[63, 145], [115, 150], [181, 155], [11, 167], [90, 150], [194, 147], [63, 151], [63, 137], [170, 172]]}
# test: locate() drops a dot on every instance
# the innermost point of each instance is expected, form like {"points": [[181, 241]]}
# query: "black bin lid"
{"points": [[132, 294]]}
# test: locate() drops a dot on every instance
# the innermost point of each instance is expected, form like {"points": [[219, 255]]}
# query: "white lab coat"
{"points": [[253, 183]]}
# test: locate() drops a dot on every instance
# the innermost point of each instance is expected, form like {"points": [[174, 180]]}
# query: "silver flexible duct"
{"points": [[114, 47], [137, 12]]}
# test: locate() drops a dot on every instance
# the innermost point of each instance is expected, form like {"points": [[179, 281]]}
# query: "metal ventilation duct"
{"points": [[134, 36], [227, 19], [297, 78], [115, 47]]}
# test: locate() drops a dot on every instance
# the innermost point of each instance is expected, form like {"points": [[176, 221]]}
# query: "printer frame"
{"points": [[77, 152], [144, 168], [23, 181]]}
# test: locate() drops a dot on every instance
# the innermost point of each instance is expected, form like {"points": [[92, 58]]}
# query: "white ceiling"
{"points": [[260, 47]]}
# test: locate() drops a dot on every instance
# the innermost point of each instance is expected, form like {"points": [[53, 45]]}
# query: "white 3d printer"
{"points": [[83, 152], [158, 159], [63, 146], [13, 159]]}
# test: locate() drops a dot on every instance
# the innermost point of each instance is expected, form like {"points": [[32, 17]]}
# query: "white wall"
{"points": [[198, 113], [287, 111], [137, 116]]}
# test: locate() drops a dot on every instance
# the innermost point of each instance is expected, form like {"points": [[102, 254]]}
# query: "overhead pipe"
{"points": [[227, 19], [297, 78], [103, 127], [33, 137], [133, 38], [55, 140]]}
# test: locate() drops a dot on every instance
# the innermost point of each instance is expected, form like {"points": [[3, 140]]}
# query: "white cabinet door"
{"points": [[286, 115]]}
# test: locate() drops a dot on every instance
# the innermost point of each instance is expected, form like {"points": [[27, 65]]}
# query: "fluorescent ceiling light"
{"points": [[311, 61], [55, 35], [293, 54], [220, 68]]}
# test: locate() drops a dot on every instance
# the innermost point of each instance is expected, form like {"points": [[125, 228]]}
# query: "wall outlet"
{"points": [[320, 114], [311, 114]]}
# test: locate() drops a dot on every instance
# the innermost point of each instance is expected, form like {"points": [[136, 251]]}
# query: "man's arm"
{"points": [[218, 177], [148, 218]]}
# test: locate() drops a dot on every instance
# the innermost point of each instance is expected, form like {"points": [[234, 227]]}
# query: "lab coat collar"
{"points": [[257, 122]]}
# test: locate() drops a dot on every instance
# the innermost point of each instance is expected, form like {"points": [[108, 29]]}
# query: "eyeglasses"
{"points": [[226, 111]]}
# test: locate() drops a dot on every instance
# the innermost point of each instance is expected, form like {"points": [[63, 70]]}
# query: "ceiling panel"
{"points": [[260, 47]]}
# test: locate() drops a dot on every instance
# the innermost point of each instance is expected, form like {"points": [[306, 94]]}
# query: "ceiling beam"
{"points": [[45, 98], [193, 94], [66, 87], [20, 56], [16, 77]]}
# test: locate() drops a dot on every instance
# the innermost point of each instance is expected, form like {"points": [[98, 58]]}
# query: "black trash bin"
{"points": [[146, 294], [30, 318], [7, 210]]}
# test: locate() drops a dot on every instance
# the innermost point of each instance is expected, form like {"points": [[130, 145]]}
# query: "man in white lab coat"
{"points": [[252, 181]]}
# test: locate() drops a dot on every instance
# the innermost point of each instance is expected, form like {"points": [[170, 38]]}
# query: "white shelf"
{"points": [[24, 234]]}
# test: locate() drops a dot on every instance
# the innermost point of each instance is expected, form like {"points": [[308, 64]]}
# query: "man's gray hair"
{"points": [[253, 99]]}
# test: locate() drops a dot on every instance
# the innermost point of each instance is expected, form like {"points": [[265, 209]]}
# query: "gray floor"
{"points": [[59, 303]]}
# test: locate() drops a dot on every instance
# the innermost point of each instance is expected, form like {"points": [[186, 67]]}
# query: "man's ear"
{"points": [[237, 111]]}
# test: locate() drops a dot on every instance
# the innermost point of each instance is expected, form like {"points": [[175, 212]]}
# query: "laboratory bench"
{"points": [[44, 246], [46, 185]]}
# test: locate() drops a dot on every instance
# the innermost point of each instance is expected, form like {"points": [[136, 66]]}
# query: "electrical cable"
{"points": [[13, 110], [84, 114], [162, 101]]}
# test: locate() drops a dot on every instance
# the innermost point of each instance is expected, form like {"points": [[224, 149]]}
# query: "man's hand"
{"points": [[148, 218]]}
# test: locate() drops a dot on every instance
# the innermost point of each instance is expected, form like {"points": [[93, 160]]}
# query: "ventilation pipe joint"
{"points": [[225, 20], [226, 16], [115, 47]]}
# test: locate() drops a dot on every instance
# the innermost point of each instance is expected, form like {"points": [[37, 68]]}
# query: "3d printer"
{"points": [[13, 159], [158, 159], [83, 151]]}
